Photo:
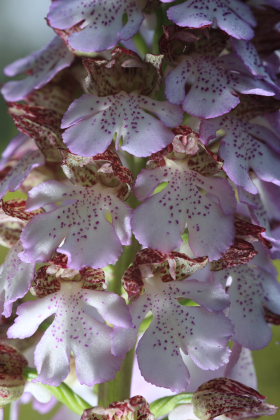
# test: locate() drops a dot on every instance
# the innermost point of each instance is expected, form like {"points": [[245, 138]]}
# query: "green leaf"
{"points": [[140, 43], [163, 406], [62, 393], [66, 396]]}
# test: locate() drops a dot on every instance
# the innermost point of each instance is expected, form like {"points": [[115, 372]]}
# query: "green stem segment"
{"points": [[119, 388], [115, 284], [163, 406], [141, 44], [62, 393], [158, 31]]}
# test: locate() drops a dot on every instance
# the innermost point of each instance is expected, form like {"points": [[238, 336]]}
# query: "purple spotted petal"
{"points": [[251, 59], [243, 148], [175, 328], [15, 279], [40, 66], [261, 208], [207, 87], [81, 220], [198, 376], [210, 88], [20, 171], [273, 3], [101, 22], [15, 147], [78, 327], [92, 123], [251, 290], [269, 3], [148, 391], [274, 119], [204, 205], [270, 197], [241, 367], [232, 16]]}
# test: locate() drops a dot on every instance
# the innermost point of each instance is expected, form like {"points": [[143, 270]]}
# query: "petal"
{"points": [[126, 116], [95, 363], [15, 277], [42, 235], [272, 293], [232, 16], [18, 173], [111, 307], [198, 375], [210, 86], [148, 391], [53, 366], [178, 329], [47, 193], [249, 55], [77, 328], [83, 107], [101, 24], [9, 152], [207, 347], [80, 219], [244, 149], [30, 316], [258, 207], [246, 309], [188, 200], [243, 370], [210, 295], [43, 66], [159, 362]]}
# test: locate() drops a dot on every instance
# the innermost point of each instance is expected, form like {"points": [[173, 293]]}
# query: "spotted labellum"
{"points": [[140, 211]]}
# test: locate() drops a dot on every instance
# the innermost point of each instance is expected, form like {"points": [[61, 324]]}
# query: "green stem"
{"points": [[158, 31], [62, 393], [163, 406], [115, 284], [119, 388], [141, 44]]}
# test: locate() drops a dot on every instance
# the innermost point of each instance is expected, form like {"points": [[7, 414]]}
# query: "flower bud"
{"points": [[135, 408], [231, 398], [12, 380]]}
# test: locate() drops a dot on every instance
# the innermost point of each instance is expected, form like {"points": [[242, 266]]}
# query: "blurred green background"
{"points": [[22, 30]]}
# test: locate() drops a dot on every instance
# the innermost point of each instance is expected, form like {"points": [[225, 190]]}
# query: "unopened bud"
{"points": [[12, 380], [136, 408], [231, 398]]}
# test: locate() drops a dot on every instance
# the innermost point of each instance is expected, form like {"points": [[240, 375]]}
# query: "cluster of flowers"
{"points": [[160, 121]]}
